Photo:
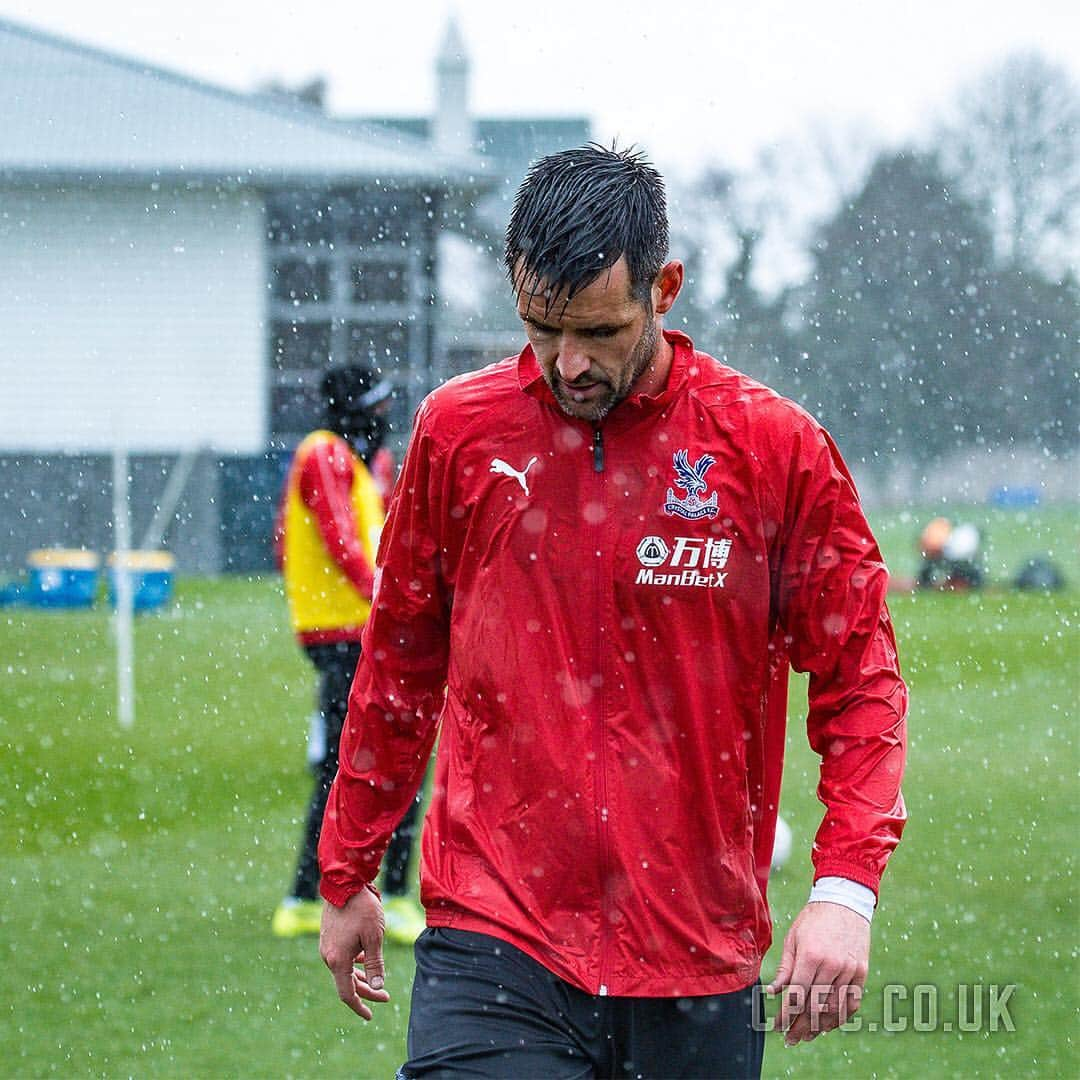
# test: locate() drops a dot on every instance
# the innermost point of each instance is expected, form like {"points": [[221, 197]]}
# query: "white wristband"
{"points": [[849, 894]]}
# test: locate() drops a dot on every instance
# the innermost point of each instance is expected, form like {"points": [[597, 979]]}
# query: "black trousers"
{"points": [[482, 1008], [336, 665]]}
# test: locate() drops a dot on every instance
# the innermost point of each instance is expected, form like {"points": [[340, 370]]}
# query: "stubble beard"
{"points": [[595, 411]]}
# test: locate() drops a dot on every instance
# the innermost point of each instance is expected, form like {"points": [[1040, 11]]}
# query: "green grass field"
{"points": [[141, 867]]}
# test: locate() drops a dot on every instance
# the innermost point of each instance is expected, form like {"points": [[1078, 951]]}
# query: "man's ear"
{"points": [[667, 286]]}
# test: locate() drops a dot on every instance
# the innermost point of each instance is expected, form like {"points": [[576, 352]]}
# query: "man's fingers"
{"points": [[364, 991], [783, 972], [814, 1016], [798, 1031], [825, 1006], [845, 981], [351, 947], [822, 972], [345, 981], [357, 1005], [795, 997], [353, 988], [362, 985], [374, 968], [850, 1000], [824, 1011]]}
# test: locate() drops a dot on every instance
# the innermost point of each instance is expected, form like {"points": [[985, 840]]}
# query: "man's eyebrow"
{"points": [[536, 322], [600, 328]]}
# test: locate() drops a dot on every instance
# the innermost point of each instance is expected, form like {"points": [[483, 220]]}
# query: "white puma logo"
{"points": [[500, 466]]}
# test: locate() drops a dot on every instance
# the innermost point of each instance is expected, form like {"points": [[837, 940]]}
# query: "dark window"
{"points": [[300, 346], [299, 218], [380, 217], [377, 343], [307, 281], [379, 283]]}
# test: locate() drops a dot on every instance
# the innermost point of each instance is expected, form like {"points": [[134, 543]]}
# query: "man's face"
{"points": [[365, 428], [593, 349]]}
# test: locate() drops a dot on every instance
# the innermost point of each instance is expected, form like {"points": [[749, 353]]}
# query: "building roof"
{"points": [[509, 143], [518, 142], [73, 110]]}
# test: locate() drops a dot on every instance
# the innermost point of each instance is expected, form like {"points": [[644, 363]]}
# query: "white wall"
{"points": [[132, 312]]}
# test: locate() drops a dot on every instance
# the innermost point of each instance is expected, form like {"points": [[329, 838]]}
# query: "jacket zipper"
{"points": [[601, 757]]}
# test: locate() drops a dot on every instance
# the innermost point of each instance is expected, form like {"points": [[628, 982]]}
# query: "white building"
{"points": [[180, 264]]}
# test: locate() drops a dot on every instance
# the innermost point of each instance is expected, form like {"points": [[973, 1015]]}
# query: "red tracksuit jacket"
{"points": [[613, 612]]}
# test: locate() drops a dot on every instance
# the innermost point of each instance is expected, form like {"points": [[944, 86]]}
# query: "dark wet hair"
{"points": [[351, 396], [349, 391], [577, 212]]}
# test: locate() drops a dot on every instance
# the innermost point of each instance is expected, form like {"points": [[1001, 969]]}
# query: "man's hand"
{"points": [[352, 935], [822, 971]]}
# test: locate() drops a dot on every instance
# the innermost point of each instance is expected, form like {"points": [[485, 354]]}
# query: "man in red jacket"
{"points": [[601, 559]]}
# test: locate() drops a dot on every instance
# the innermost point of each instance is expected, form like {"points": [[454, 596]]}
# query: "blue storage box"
{"points": [[61, 578], [151, 578], [1024, 497]]}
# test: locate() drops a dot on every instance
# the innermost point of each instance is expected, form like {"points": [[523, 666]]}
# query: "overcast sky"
{"points": [[694, 82]]}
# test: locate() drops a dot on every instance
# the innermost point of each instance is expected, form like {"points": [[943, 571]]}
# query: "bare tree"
{"points": [[897, 316], [1014, 145]]}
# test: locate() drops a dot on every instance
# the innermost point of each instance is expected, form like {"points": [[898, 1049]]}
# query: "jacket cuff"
{"points": [[339, 895], [853, 871]]}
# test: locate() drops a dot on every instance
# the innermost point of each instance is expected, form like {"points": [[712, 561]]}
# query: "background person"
{"points": [[610, 549], [328, 529], [951, 556]]}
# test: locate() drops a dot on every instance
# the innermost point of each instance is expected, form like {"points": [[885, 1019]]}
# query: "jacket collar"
{"points": [[531, 378]]}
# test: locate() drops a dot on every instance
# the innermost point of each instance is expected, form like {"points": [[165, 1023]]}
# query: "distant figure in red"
{"points": [[327, 534]]}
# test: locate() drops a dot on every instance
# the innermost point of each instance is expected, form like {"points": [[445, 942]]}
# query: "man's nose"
{"points": [[572, 361]]}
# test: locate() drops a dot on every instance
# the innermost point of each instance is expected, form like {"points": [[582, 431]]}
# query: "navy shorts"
{"points": [[483, 1008]]}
